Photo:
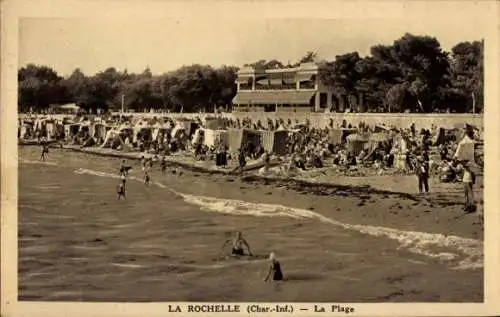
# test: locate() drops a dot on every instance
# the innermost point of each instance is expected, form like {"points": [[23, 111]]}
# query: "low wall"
{"points": [[400, 120]]}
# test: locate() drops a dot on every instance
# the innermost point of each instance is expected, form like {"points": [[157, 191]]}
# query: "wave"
{"points": [[467, 252], [37, 162]]}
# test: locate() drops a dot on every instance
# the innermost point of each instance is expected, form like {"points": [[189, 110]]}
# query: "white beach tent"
{"points": [[465, 150]]}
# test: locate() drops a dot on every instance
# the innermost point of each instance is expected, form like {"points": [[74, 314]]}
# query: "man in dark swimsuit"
{"points": [[275, 272], [238, 242]]}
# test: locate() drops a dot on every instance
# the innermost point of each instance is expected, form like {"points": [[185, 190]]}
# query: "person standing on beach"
{"points": [[242, 160], [422, 172], [274, 273], [468, 179]]}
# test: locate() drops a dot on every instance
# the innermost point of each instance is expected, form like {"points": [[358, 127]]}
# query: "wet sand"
{"points": [[78, 243]]}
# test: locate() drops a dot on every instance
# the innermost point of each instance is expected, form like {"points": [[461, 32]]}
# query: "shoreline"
{"points": [[436, 212], [248, 176]]}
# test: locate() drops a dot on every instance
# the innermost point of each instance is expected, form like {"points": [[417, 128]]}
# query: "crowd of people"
{"points": [[355, 150]]}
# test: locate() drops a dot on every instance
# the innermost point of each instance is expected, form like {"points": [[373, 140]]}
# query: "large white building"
{"points": [[284, 89]]}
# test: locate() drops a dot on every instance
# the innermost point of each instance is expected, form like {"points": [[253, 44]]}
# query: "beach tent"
{"points": [[400, 143], [335, 136], [356, 143], [51, 130], [213, 137], [375, 141], [126, 131], [100, 130], [242, 137], [465, 150], [281, 128], [157, 130], [198, 136], [26, 130], [71, 130], [185, 124], [177, 131], [114, 138], [214, 123], [439, 137], [275, 141]]}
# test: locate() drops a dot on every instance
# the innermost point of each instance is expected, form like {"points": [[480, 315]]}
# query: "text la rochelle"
{"points": [[204, 309]]}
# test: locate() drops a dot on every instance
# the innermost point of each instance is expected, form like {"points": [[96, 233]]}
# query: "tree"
{"points": [[309, 57], [398, 98], [342, 74], [424, 66], [39, 87], [467, 71]]}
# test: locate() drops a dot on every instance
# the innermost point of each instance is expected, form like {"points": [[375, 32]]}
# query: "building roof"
{"points": [[249, 71], [273, 97]]}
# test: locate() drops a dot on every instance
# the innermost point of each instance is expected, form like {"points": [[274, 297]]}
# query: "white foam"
{"points": [[37, 162], [127, 265], [467, 252]]}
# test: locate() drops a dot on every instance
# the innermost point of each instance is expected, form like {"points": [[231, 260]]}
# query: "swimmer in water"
{"points": [[274, 273], [120, 189], [45, 151], [147, 178], [238, 242]]}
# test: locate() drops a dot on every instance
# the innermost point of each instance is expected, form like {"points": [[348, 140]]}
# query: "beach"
{"points": [[344, 242]]}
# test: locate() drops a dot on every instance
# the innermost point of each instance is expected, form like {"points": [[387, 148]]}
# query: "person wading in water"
{"points": [[238, 242], [274, 273], [45, 151], [124, 169], [163, 165], [120, 189], [147, 177]]}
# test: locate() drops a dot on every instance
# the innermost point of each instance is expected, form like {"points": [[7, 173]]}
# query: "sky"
{"points": [[164, 43]]}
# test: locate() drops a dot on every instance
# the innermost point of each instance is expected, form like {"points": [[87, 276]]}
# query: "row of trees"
{"points": [[190, 88], [414, 73]]}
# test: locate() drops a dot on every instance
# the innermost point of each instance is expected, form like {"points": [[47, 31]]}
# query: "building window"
{"points": [[309, 84], [323, 100], [245, 86]]}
